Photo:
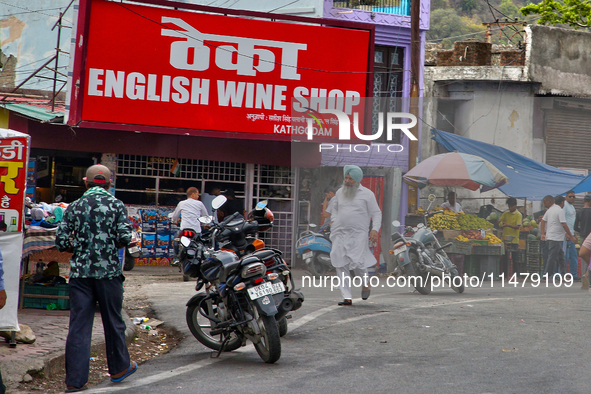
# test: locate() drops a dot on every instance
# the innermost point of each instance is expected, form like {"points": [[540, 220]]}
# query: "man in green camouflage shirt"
{"points": [[93, 228]]}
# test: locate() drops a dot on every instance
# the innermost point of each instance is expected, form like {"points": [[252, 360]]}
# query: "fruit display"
{"points": [[472, 222], [444, 221], [461, 221], [462, 238], [493, 239]]}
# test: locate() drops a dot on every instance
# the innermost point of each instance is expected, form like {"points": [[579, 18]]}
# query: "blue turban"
{"points": [[354, 171]]}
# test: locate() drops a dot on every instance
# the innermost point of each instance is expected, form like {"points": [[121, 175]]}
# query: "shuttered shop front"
{"points": [[568, 137]]}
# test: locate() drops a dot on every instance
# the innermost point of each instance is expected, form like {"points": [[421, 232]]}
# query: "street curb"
{"points": [[55, 362]]}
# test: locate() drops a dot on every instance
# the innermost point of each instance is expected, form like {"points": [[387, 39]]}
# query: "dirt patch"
{"points": [[146, 345]]}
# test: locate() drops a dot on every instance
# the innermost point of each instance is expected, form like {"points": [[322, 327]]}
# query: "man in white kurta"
{"points": [[354, 208]]}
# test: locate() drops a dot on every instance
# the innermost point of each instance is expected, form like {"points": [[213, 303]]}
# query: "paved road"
{"points": [[490, 339]]}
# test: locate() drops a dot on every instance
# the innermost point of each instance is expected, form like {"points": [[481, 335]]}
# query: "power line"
{"points": [[29, 10], [240, 54]]}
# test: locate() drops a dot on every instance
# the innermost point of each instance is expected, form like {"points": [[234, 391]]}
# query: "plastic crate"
{"points": [[490, 265], [460, 247], [488, 250], [533, 247], [38, 297], [472, 265]]}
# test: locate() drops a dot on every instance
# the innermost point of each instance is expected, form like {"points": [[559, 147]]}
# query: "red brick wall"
{"points": [[512, 58], [466, 53]]}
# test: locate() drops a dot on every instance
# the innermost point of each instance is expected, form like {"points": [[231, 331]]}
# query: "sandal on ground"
{"points": [[120, 376], [346, 303], [365, 293], [72, 389]]}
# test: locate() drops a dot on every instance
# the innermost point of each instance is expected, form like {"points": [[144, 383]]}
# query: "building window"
{"points": [[387, 85]]}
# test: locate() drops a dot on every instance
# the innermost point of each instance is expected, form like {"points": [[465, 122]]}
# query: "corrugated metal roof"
{"points": [[34, 111]]}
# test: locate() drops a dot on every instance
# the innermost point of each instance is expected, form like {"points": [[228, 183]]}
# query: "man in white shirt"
{"points": [[570, 251], [353, 209], [553, 228], [451, 203], [190, 210]]}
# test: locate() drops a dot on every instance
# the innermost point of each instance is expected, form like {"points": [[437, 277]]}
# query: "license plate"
{"points": [[308, 255], [400, 250], [266, 288], [134, 249]]}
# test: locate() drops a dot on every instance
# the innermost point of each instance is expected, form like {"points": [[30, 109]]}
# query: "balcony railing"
{"points": [[397, 7]]}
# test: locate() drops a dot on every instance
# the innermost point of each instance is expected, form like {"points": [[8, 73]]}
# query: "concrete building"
{"points": [[531, 99]]}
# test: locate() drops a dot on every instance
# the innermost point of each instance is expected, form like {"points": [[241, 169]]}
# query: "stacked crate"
{"points": [[533, 263]]}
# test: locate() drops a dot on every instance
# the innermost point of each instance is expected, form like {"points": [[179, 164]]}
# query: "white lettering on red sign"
{"points": [[241, 55]]}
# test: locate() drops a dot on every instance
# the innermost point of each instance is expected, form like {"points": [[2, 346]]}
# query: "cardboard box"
{"points": [[450, 234]]}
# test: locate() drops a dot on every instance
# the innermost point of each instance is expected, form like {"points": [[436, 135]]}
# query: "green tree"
{"points": [[446, 25], [467, 5], [575, 13], [508, 8]]}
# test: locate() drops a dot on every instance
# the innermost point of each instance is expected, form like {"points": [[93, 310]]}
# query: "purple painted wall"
{"points": [[392, 30]]}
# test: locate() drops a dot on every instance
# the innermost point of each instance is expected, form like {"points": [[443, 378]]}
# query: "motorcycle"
{"points": [[246, 296], [132, 252], [419, 255], [314, 248]]}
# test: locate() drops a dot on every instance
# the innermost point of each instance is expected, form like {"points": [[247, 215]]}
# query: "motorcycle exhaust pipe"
{"points": [[432, 270]]}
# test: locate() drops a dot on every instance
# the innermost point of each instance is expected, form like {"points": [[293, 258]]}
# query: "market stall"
{"points": [[470, 235]]}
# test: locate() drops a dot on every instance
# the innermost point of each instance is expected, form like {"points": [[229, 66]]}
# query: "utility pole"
{"points": [[415, 67]]}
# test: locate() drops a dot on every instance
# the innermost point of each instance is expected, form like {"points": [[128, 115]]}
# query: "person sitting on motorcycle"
{"points": [[189, 211]]}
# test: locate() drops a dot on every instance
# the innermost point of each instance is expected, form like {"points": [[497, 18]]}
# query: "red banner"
{"points": [[13, 182], [177, 69]]}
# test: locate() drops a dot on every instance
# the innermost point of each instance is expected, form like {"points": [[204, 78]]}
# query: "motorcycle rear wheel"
{"points": [[198, 325], [316, 268], [269, 346], [459, 289], [412, 270], [282, 326]]}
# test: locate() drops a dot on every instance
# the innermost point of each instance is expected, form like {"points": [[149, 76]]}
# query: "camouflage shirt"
{"points": [[93, 225]]}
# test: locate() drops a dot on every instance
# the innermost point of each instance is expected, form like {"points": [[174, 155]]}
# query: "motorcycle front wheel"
{"points": [[269, 345], [201, 326], [459, 289], [412, 272]]}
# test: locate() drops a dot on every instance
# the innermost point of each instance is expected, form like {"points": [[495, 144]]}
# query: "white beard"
{"points": [[350, 191]]}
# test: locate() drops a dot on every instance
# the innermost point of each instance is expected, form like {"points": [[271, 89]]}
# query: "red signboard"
{"points": [[13, 181], [187, 70]]}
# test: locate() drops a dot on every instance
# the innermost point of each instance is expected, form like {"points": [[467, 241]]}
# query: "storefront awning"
{"points": [[35, 112], [527, 178]]}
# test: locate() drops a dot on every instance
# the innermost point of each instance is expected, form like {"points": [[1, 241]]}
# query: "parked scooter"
{"points": [[419, 255], [314, 248]]}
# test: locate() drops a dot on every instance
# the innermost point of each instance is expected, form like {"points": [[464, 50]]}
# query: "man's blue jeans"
{"points": [[84, 295], [571, 256]]}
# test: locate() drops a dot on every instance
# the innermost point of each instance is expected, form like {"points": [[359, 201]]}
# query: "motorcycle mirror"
{"points": [[261, 205], [432, 197], [185, 242], [206, 219], [396, 223], [217, 202]]}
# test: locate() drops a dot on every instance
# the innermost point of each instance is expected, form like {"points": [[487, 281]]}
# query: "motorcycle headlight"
{"points": [[253, 270]]}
